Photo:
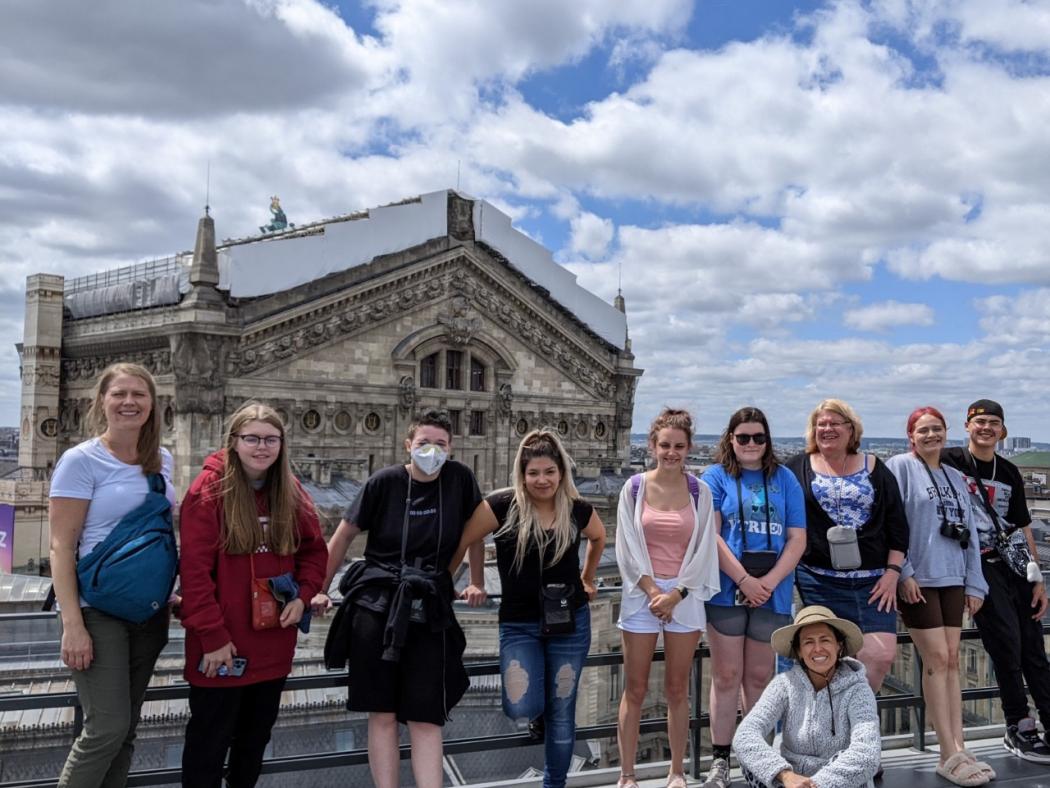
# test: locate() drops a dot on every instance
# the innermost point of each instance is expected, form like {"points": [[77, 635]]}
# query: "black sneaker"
{"points": [[1024, 741]]}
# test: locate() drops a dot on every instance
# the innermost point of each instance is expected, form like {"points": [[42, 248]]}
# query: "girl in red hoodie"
{"points": [[244, 520]]}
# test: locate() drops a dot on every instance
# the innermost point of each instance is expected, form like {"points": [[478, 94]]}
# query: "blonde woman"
{"points": [[666, 548], [248, 530], [95, 484], [544, 619], [856, 532]]}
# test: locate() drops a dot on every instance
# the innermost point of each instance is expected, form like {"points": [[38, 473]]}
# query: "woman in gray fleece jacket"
{"points": [[827, 710]]}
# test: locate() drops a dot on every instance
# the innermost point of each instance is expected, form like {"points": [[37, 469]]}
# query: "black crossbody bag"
{"points": [[556, 614], [1014, 552]]}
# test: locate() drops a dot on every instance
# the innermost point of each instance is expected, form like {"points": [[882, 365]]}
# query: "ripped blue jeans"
{"points": [[540, 677]]}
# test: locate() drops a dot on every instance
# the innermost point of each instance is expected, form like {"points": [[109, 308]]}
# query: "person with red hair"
{"points": [[940, 578]]}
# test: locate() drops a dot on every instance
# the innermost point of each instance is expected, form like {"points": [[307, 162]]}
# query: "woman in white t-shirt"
{"points": [[93, 486]]}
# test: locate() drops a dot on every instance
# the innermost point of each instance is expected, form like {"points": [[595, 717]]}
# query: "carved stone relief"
{"points": [[460, 321], [196, 362]]}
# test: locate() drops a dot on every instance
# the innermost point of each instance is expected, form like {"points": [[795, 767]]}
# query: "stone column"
{"points": [[40, 353], [199, 399]]}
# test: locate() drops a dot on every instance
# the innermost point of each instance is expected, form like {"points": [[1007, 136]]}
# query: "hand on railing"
{"points": [[320, 604], [473, 595]]}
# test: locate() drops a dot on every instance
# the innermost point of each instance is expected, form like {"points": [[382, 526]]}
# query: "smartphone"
{"points": [[739, 598], [240, 664]]}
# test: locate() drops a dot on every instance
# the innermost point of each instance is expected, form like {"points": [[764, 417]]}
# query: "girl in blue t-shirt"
{"points": [[761, 515]]}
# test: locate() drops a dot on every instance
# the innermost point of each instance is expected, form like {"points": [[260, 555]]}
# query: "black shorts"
{"points": [[423, 686], [943, 608]]}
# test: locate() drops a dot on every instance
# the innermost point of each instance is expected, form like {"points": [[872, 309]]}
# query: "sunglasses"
{"points": [[744, 439]]}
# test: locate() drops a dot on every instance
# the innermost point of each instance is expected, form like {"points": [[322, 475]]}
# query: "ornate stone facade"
{"points": [[347, 359]]}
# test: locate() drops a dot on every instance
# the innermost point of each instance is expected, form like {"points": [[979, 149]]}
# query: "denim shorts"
{"points": [[847, 597]]}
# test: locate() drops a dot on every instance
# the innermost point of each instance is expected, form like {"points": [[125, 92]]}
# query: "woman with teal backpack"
{"points": [[94, 486]]}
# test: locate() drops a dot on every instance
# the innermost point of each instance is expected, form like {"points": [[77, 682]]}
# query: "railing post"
{"points": [[919, 733], [694, 723]]}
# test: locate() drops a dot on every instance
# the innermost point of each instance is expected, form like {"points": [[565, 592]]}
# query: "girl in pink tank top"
{"points": [[667, 536]]}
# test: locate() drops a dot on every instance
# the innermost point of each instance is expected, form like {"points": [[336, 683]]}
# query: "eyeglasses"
{"points": [[270, 441], [832, 425], [987, 424], [744, 438]]}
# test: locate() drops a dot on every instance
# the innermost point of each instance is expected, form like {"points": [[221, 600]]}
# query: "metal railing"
{"points": [[149, 269], [699, 719]]}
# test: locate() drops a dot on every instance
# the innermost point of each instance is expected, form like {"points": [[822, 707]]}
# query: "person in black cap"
{"points": [[1010, 621]]}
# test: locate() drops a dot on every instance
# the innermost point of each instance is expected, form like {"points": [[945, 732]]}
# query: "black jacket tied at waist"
{"points": [[403, 585]]}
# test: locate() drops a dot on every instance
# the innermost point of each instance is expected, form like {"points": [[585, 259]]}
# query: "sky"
{"points": [[799, 200]]}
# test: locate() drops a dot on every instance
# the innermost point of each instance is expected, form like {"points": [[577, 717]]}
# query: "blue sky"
{"points": [[805, 199]]}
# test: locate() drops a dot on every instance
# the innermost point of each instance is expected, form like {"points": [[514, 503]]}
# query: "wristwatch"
{"points": [[682, 591]]}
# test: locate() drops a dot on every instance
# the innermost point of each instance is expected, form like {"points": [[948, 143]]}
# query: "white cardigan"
{"points": [[699, 572]]}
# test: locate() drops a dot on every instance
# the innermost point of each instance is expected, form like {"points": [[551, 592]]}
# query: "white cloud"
{"points": [[888, 314], [747, 191], [591, 235]]}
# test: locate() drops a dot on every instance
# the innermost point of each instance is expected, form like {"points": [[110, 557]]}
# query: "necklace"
{"points": [[832, 469]]}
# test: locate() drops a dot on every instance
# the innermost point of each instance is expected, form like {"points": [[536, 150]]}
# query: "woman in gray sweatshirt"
{"points": [[941, 577], [827, 710]]}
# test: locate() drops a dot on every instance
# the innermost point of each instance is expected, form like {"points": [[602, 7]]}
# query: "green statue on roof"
{"points": [[278, 221]]}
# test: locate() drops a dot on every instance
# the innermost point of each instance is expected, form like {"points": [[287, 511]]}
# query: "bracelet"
{"points": [[895, 567], [740, 582]]}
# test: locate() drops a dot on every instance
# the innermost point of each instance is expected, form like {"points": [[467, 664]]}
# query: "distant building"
{"points": [[1018, 444], [349, 327]]}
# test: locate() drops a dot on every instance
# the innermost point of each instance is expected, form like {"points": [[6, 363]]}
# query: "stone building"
{"points": [[348, 326]]}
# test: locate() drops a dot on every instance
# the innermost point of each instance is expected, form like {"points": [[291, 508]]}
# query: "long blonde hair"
{"points": [[241, 532], [522, 519], [148, 447]]}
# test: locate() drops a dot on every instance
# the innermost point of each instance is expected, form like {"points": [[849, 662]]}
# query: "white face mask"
{"points": [[429, 458]]}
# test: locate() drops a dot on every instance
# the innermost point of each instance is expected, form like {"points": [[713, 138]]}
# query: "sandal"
{"points": [[676, 781], [627, 781], [985, 768], [961, 771]]}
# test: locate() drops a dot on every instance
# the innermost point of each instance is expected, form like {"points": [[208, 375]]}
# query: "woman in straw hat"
{"points": [[826, 708]]}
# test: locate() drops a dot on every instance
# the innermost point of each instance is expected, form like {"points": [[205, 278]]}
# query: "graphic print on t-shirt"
{"points": [[755, 511], [999, 497], [947, 507]]}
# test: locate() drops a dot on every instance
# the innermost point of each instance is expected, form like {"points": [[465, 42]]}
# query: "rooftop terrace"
{"points": [[909, 760]]}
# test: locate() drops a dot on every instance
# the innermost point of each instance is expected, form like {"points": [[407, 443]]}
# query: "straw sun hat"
{"points": [[817, 614]]}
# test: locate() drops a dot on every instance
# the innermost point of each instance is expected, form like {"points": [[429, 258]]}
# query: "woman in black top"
{"points": [[544, 620]]}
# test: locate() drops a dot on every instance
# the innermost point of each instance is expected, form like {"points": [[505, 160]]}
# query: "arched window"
{"points": [[453, 369], [428, 372], [477, 374]]}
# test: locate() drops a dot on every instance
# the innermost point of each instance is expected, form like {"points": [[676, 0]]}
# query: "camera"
{"points": [[956, 531]]}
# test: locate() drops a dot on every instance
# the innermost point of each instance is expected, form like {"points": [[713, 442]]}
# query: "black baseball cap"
{"points": [[985, 407]]}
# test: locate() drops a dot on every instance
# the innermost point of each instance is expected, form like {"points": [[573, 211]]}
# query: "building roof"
{"points": [[257, 267], [1032, 459], [23, 588]]}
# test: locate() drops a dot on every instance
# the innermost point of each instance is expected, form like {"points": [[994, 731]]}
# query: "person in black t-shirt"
{"points": [[544, 618], [405, 647], [1010, 621]]}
